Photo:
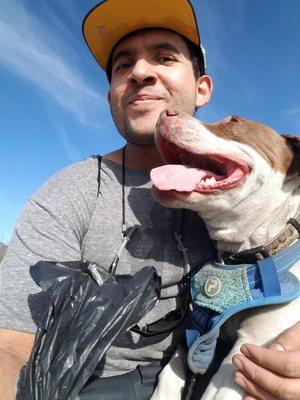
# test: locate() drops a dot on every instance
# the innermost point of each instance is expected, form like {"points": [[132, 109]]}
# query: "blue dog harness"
{"points": [[219, 291]]}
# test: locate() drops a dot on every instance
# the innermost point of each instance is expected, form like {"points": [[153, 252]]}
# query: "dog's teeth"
{"points": [[209, 181]]}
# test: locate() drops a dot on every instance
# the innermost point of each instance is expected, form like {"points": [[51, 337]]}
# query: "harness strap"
{"points": [[219, 291], [269, 277]]}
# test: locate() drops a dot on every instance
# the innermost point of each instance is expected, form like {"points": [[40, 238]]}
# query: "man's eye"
{"points": [[165, 59], [122, 66]]}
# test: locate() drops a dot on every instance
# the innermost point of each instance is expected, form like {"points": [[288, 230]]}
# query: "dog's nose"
{"points": [[172, 113]]}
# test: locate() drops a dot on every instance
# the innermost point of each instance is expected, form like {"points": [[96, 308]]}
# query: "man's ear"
{"points": [[293, 143], [108, 97], [203, 90]]}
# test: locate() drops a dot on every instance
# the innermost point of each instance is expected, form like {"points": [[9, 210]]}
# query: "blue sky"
{"points": [[53, 94]]}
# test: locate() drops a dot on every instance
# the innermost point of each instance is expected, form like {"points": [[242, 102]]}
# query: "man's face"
{"points": [[151, 71]]}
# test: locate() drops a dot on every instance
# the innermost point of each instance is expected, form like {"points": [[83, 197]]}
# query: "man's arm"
{"points": [[15, 349], [52, 227], [274, 373]]}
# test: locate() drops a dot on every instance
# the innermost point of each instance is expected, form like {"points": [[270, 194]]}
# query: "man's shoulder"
{"points": [[76, 180], [79, 173], [82, 168]]}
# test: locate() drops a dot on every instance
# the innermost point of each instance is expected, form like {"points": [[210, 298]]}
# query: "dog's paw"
{"points": [[171, 380], [222, 386]]}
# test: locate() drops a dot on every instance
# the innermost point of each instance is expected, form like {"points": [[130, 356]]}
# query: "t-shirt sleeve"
{"points": [[51, 227]]}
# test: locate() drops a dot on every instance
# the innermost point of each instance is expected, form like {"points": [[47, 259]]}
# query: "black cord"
{"points": [[123, 193]]}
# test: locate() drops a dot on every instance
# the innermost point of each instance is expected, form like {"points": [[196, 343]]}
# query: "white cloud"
{"points": [[29, 50], [222, 56], [69, 148]]}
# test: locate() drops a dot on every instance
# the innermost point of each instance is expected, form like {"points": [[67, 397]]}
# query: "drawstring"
{"points": [[126, 233], [126, 237]]}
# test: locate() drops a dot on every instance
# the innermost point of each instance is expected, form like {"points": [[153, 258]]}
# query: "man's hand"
{"points": [[15, 348], [274, 373]]}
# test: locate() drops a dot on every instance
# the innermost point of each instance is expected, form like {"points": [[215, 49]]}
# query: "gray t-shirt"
{"points": [[66, 221]]}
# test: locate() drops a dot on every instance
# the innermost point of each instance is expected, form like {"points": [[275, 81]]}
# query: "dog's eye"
{"points": [[234, 118]]}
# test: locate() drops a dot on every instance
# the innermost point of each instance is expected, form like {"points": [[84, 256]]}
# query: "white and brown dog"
{"points": [[242, 178]]}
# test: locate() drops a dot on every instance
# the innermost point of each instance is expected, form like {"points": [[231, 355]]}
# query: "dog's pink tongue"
{"points": [[176, 177]]}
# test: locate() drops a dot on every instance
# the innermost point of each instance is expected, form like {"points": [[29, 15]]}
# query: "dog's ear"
{"points": [[293, 143]]}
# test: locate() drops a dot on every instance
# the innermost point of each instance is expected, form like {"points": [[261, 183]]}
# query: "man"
{"points": [[152, 56]]}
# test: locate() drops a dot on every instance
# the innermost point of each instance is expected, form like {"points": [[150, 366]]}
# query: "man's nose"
{"points": [[143, 72]]}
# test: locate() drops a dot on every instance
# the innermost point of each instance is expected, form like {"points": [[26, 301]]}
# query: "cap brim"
{"points": [[108, 22]]}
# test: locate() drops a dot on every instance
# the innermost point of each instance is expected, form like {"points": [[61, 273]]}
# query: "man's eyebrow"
{"points": [[154, 46], [122, 53], [164, 46]]}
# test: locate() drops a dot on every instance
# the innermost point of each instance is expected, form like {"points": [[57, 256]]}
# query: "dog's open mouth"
{"points": [[190, 171]]}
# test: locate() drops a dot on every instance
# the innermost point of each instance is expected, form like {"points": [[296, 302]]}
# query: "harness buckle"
{"points": [[295, 223], [247, 256]]}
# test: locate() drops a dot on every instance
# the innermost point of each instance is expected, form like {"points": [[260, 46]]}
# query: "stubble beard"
{"points": [[133, 135]]}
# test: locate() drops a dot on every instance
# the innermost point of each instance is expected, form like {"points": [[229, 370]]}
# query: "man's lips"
{"points": [[144, 99]]}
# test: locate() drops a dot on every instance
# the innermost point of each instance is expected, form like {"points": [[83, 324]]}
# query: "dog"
{"points": [[243, 178]]}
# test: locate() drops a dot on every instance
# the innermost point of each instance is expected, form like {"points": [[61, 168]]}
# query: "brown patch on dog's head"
{"points": [[282, 153]]}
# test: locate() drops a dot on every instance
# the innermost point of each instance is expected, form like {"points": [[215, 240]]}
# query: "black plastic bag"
{"points": [[89, 309]]}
